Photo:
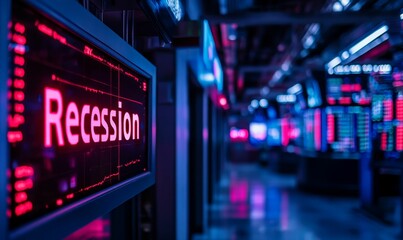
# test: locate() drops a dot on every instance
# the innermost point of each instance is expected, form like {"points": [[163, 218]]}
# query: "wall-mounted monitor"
{"points": [[312, 130], [314, 96], [348, 90], [348, 129], [80, 119], [387, 115], [257, 132], [209, 65], [274, 133]]}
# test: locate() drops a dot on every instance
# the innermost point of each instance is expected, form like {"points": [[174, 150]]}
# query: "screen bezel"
{"points": [[4, 18], [61, 222]]}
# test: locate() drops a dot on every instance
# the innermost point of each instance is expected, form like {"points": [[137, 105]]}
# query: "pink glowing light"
{"points": [[19, 108], [388, 113], [383, 141], [15, 121], [23, 171], [331, 100], [318, 129], [123, 124], [330, 128], [20, 28], [23, 208], [53, 118], [44, 29], [399, 138], [21, 197], [243, 134], [19, 72], [223, 101], [345, 100], [23, 185], [59, 202], [19, 83], [20, 49], [19, 96], [14, 136], [19, 39], [285, 137], [18, 60], [233, 134]]}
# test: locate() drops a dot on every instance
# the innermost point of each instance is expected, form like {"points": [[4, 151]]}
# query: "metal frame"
{"points": [[60, 223], [4, 17]]}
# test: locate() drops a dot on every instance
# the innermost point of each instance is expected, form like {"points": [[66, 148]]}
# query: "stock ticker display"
{"points": [[347, 114], [348, 128], [387, 115], [347, 90], [77, 118]]}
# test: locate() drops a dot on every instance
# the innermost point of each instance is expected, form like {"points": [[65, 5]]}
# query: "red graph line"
{"points": [[129, 163], [106, 178], [87, 50], [56, 78]]}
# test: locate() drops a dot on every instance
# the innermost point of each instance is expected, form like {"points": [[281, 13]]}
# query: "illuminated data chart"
{"points": [[348, 129], [77, 118], [387, 116], [312, 132]]}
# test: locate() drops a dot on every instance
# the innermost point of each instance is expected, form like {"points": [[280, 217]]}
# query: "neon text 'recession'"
{"points": [[116, 125]]}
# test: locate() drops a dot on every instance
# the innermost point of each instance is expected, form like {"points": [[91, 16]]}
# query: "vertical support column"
{"points": [[165, 188], [182, 141], [172, 175], [212, 129], [198, 158]]}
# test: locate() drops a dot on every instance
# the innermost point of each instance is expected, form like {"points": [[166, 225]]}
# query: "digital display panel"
{"points": [[347, 90], [274, 133], [387, 115], [77, 118], [291, 131], [312, 130], [313, 92], [348, 128], [257, 132]]}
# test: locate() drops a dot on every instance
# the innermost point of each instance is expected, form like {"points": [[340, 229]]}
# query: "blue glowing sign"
{"points": [[210, 69]]}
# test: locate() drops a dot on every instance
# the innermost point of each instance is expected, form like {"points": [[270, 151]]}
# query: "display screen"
{"points": [[347, 90], [387, 115], [291, 131], [348, 129], [313, 93], [257, 132], [273, 133], [312, 130], [77, 118]]}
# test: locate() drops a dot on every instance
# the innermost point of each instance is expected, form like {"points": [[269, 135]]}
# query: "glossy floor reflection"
{"points": [[254, 203]]}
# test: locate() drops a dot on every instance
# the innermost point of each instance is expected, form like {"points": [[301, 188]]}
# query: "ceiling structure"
{"points": [[268, 45], [265, 46]]}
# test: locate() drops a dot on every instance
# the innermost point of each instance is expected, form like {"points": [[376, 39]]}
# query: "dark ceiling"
{"points": [[257, 39], [265, 46]]}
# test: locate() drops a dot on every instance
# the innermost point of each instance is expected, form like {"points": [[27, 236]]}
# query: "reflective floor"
{"points": [[254, 203]]}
